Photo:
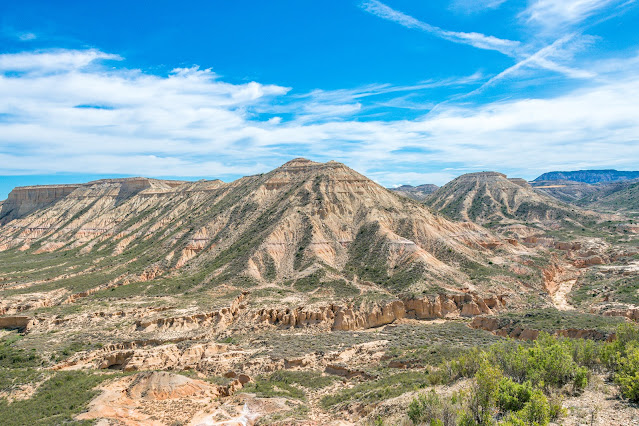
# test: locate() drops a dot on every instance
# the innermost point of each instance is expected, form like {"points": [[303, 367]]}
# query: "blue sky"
{"points": [[402, 91]]}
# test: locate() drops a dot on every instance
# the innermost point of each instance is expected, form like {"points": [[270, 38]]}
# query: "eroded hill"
{"points": [[492, 197]]}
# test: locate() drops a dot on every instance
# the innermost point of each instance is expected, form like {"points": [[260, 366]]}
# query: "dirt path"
{"points": [[559, 297]]}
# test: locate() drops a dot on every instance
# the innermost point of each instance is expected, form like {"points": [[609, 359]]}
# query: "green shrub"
{"points": [[466, 419], [622, 357], [555, 402], [513, 420], [627, 375], [580, 380], [586, 352], [430, 409], [467, 364], [550, 362], [483, 399], [627, 335], [513, 396], [536, 412], [547, 362]]}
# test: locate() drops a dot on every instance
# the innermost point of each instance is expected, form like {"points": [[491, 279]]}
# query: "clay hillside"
{"points": [[309, 295], [570, 191], [493, 197], [623, 198]]}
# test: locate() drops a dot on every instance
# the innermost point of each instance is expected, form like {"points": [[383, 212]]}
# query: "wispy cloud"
{"points": [[549, 57], [553, 14], [474, 39], [474, 6], [322, 104], [47, 61], [541, 59], [192, 123], [27, 36]]}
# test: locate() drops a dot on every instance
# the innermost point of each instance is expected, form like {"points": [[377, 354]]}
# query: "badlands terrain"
{"points": [[312, 295]]}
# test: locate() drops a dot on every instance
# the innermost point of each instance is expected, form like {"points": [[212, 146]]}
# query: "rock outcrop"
{"points": [[26, 199], [216, 320], [137, 358], [171, 399], [22, 323], [375, 315], [506, 328]]}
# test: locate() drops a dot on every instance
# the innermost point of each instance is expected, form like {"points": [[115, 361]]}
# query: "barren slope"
{"points": [[493, 197]]}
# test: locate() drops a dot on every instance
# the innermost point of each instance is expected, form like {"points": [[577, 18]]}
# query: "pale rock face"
{"points": [[335, 317], [171, 397], [505, 329]]}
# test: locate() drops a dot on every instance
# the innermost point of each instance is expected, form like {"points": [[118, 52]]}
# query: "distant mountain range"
{"points": [[590, 176], [489, 196], [418, 193]]}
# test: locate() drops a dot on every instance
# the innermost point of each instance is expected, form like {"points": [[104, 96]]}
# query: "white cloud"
{"points": [[554, 14], [544, 58], [87, 119], [549, 57], [52, 60], [474, 39], [474, 6], [27, 36]]}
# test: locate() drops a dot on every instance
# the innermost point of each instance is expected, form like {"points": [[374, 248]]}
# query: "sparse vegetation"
{"points": [[56, 401], [289, 384]]}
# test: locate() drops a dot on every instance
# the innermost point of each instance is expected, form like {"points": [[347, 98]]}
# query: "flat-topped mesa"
{"points": [[303, 170], [521, 182], [23, 200], [482, 177], [126, 187], [299, 165]]}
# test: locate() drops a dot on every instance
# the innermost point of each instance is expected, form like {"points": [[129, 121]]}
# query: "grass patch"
{"points": [[550, 320], [378, 390], [13, 357], [57, 401]]}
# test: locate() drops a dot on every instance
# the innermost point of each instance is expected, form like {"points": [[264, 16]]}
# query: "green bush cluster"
{"points": [[521, 383], [492, 395], [622, 357], [56, 402], [430, 409], [12, 357]]}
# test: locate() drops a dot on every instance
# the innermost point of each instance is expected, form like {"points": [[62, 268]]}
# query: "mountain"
{"points": [[610, 197], [590, 176], [623, 197], [492, 197], [304, 223], [417, 193], [568, 191]]}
